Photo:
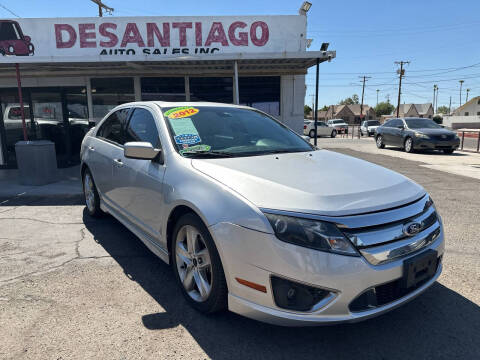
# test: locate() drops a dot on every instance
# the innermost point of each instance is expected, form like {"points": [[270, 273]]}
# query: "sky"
{"points": [[440, 38]]}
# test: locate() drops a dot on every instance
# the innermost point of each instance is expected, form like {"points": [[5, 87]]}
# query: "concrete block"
{"points": [[37, 162]]}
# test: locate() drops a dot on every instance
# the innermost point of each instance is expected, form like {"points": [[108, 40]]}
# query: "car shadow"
{"points": [[439, 324], [427, 152]]}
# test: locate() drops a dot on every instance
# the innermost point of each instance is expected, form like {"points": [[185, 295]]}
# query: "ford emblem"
{"points": [[412, 228]]}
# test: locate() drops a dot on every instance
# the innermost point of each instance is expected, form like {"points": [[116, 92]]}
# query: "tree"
{"points": [[350, 100], [384, 108], [307, 110], [324, 108], [438, 119], [442, 109]]}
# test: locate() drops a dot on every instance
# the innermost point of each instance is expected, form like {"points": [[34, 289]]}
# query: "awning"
{"points": [[260, 63]]}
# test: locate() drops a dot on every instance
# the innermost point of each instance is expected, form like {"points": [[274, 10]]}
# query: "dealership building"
{"points": [[74, 70]]}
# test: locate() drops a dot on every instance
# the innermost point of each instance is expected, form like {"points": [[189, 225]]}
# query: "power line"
{"points": [[10, 11]]}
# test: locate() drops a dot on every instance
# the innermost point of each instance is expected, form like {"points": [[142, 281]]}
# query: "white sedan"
{"points": [[322, 129]]}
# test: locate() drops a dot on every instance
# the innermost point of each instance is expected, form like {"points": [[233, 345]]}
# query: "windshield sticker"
{"points": [[181, 112], [183, 126], [188, 139], [196, 148]]}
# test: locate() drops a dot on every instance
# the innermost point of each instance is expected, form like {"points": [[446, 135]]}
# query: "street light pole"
{"points": [[377, 96], [461, 83]]}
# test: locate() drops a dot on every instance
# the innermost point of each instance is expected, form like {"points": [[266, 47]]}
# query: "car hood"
{"points": [[318, 182], [434, 131]]}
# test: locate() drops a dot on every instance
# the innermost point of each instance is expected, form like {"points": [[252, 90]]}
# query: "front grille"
{"points": [[386, 293], [441, 137]]}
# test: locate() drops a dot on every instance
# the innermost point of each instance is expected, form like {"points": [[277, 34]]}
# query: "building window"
{"points": [[163, 88], [110, 92], [466, 113], [216, 89], [260, 92]]}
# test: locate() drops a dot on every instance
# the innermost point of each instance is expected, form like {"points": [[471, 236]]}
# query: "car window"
{"points": [[422, 124], [112, 128], [236, 131], [141, 127], [372, 123]]}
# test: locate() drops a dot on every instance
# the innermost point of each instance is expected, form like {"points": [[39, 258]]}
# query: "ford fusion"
{"points": [[254, 219]]}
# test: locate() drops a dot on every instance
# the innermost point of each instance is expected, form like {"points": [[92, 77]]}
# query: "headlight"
{"points": [[313, 234], [421, 135]]}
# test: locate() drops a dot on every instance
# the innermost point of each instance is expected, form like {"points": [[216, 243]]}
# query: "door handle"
{"points": [[118, 162]]}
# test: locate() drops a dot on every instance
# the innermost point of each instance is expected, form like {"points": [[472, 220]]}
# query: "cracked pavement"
{"points": [[72, 287]]}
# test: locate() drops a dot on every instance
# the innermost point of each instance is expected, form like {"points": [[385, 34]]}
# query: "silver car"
{"points": [[322, 129], [256, 220]]}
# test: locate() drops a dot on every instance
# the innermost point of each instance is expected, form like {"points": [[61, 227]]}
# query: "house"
{"points": [[466, 116], [349, 113], [470, 108], [415, 110]]}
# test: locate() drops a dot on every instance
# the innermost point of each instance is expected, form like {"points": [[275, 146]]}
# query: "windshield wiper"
{"points": [[209, 153]]}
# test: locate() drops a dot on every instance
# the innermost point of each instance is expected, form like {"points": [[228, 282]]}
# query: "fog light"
{"points": [[295, 296]]}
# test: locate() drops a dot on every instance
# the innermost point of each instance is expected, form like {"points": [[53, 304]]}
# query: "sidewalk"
{"points": [[459, 163], [68, 184]]}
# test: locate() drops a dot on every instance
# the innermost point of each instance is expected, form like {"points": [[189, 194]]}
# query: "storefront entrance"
{"points": [[58, 114]]}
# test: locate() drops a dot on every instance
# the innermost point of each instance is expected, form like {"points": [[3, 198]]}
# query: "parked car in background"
{"points": [[255, 219], [338, 124], [322, 129], [416, 134], [368, 127]]}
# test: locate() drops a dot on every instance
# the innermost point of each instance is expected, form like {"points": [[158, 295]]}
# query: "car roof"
{"points": [[163, 104]]}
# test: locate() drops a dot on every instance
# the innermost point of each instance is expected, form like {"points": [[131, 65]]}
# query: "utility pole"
{"points": [[434, 91], [102, 6], [461, 83], [436, 102], [313, 103], [401, 72], [388, 98], [466, 100], [450, 106], [361, 105], [377, 96]]}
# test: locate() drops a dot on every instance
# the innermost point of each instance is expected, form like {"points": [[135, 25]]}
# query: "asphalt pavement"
{"points": [[72, 287]]}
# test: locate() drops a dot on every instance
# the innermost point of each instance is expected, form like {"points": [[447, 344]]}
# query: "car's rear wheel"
{"points": [[197, 265], [311, 133], [333, 134], [92, 199], [448, 151], [379, 142], [408, 145]]}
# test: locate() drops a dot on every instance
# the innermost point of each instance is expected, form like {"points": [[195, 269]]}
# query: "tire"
{"points": [[311, 133], [379, 142], [361, 133], [92, 199], [448, 151], [333, 134], [408, 145], [195, 260]]}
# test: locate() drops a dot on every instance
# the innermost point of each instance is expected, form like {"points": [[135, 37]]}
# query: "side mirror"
{"points": [[140, 150]]}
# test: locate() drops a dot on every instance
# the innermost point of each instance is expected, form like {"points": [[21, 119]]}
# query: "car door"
{"points": [[323, 129], [387, 132], [104, 148], [139, 183], [397, 132]]}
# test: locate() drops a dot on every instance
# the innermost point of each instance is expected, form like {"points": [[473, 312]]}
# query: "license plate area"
{"points": [[419, 268]]}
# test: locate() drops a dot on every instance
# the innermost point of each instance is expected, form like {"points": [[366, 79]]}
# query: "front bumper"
{"points": [[432, 144], [256, 256]]}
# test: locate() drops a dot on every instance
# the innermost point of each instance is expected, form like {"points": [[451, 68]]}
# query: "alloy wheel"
{"points": [[193, 262], [89, 191], [408, 145], [379, 141]]}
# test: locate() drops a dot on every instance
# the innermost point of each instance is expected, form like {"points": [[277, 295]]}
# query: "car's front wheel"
{"points": [[333, 134], [197, 265], [379, 142], [92, 199], [408, 145]]}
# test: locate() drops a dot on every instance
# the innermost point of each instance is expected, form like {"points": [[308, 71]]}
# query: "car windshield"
{"points": [[373, 123], [338, 121], [422, 124], [216, 130]]}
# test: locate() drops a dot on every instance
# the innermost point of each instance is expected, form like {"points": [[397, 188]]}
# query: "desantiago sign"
{"points": [[147, 38]]}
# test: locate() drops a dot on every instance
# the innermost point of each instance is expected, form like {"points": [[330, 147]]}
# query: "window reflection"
{"points": [[110, 92]]}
